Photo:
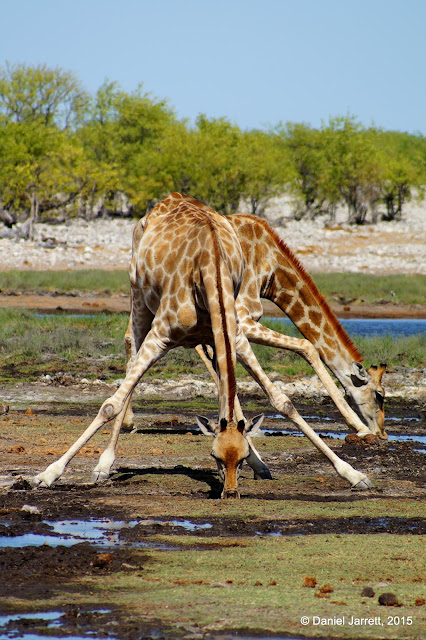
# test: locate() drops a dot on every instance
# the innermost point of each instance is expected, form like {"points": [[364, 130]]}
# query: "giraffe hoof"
{"points": [[263, 474], [99, 476], [362, 485], [36, 482]]}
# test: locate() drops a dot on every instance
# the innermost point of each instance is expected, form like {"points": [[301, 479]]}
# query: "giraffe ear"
{"points": [[253, 427], [359, 375], [208, 427]]}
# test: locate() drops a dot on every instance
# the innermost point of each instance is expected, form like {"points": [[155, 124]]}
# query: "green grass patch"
{"points": [[400, 289], [259, 583], [65, 281], [248, 585], [408, 289], [93, 347]]}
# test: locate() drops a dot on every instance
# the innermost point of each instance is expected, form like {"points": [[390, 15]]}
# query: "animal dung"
{"points": [[310, 581], [388, 600]]}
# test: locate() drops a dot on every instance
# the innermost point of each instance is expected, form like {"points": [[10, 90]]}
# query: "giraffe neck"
{"points": [[284, 281], [223, 327]]}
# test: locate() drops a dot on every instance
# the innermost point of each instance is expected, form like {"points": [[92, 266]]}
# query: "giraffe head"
{"points": [[366, 395], [231, 446]]}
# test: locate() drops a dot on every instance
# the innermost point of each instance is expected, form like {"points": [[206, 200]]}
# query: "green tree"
{"points": [[306, 154], [265, 163], [121, 133], [351, 167], [40, 94], [404, 169]]}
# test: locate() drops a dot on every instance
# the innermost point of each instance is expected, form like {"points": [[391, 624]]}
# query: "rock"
{"points": [[28, 508], [102, 560], [326, 589], [353, 438]]}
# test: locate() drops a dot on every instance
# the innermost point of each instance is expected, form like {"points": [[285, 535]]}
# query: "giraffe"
{"points": [[273, 272], [186, 271]]}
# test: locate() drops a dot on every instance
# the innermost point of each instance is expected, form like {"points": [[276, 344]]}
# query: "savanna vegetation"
{"points": [[398, 288], [64, 152], [92, 346]]}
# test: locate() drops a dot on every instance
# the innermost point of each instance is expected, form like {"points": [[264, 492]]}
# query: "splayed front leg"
{"points": [[102, 470], [56, 469], [285, 407]]}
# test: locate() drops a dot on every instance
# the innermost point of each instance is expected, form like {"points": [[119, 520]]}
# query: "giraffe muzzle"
{"points": [[230, 493]]}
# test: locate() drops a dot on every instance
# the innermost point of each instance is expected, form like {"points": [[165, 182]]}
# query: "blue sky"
{"points": [[256, 62]]}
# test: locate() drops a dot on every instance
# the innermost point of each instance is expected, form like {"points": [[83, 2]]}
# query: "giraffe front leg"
{"points": [[56, 469], [259, 334], [102, 470], [150, 352]]}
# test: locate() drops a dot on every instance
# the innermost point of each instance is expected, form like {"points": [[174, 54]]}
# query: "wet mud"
{"points": [[169, 472]]}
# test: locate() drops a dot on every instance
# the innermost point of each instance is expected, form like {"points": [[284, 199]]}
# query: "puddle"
{"points": [[52, 620], [185, 524], [419, 440], [103, 533]]}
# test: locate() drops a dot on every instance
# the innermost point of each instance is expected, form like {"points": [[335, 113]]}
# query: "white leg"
{"points": [[151, 350], [284, 406], [259, 334], [102, 470]]}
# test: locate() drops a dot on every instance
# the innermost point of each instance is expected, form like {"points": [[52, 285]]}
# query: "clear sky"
{"points": [[256, 62]]}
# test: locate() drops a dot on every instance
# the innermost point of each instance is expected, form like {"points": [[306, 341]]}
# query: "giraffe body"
{"points": [[185, 274]]}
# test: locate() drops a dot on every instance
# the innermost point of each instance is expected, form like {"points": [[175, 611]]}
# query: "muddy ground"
{"points": [[162, 476], [120, 303]]}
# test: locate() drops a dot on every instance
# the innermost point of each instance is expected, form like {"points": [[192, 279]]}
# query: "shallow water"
{"points": [[101, 533], [53, 620], [419, 440], [375, 326]]}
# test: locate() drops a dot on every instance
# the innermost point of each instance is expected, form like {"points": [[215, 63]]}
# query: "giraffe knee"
{"points": [[108, 411], [288, 409]]}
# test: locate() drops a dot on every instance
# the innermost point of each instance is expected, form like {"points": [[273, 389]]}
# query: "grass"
{"points": [[407, 289], [401, 289], [259, 583], [65, 281], [93, 347]]}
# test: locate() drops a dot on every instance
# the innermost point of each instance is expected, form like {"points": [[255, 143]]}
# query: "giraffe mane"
{"points": [[307, 279]]}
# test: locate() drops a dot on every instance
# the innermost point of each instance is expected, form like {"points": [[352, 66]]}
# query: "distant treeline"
{"points": [[64, 152]]}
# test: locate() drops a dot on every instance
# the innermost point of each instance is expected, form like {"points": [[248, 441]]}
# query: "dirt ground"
{"points": [[162, 474], [121, 304]]}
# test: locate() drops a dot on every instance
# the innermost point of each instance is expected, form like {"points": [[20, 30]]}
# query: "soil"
{"points": [[151, 489], [90, 303]]}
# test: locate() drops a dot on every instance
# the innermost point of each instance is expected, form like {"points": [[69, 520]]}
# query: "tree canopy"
{"points": [[68, 153]]}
